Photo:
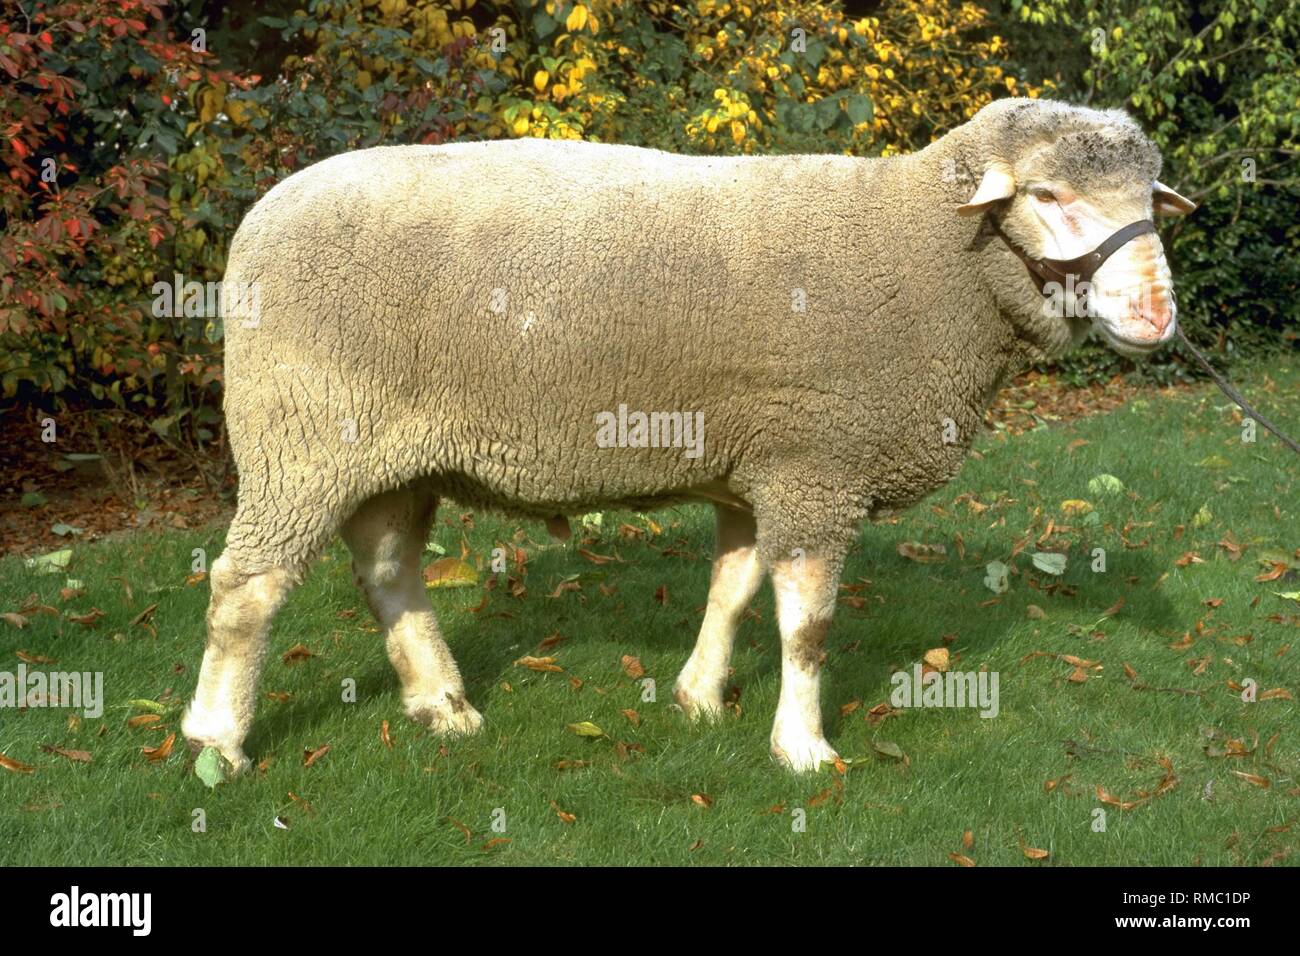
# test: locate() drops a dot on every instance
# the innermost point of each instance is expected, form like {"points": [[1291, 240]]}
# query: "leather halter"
{"points": [[1044, 270]]}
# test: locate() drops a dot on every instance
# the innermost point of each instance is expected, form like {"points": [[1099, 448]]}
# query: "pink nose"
{"points": [[1157, 316]]}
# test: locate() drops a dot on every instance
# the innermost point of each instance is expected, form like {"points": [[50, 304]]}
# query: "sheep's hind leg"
{"points": [[737, 574], [386, 537], [242, 605]]}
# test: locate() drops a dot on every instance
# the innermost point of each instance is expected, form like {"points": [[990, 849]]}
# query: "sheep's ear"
{"points": [[1167, 202], [999, 183]]}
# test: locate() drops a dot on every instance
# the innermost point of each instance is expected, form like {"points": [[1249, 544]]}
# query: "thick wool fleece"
{"points": [[464, 313]]}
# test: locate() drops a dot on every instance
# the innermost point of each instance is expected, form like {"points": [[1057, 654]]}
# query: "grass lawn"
{"points": [[1150, 729]]}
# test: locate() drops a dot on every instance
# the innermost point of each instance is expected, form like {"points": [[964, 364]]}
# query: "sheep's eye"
{"points": [[1043, 195]]}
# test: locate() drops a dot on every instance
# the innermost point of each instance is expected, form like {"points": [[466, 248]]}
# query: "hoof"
{"points": [[200, 734], [802, 753], [446, 714], [699, 705]]}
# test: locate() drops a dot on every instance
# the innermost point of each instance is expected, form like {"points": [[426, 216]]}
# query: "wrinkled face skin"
{"points": [[1062, 199]]}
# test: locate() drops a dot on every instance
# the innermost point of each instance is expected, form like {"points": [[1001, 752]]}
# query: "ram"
{"points": [[485, 322]]}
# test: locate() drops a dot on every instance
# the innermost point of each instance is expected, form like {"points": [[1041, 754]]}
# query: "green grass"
{"points": [[370, 804]]}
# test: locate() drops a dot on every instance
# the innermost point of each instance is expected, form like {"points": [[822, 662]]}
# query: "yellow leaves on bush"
{"points": [[577, 18], [540, 79]]}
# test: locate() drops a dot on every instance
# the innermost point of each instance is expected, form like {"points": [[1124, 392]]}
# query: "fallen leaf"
{"points": [[922, 553], [27, 658], [542, 664], [937, 658], [1049, 562], [462, 828], [80, 756], [309, 757], [633, 717], [208, 767], [1033, 853], [961, 859], [298, 652], [10, 764], [161, 752], [450, 573], [996, 577], [585, 728], [632, 667], [1253, 779], [384, 735], [702, 800]]}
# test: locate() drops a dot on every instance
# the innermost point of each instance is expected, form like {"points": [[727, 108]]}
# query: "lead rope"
{"points": [[1233, 394]]}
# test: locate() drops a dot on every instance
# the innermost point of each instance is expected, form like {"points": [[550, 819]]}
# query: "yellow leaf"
{"points": [[577, 18], [540, 79], [937, 658], [586, 728], [450, 573]]}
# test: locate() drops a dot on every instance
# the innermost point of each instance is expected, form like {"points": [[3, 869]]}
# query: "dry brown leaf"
{"points": [[543, 664], [16, 766], [385, 736], [1033, 853], [633, 717], [598, 559], [144, 720], [922, 553], [80, 756], [462, 828], [1253, 779], [702, 800], [309, 757], [961, 859], [162, 751], [967, 840], [298, 652], [88, 619], [632, 667], [27, 658]]}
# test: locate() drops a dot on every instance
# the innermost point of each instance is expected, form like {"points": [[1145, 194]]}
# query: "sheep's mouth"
{"points": [[1135, 348]]}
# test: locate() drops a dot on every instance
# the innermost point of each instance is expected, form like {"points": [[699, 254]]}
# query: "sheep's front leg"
{"points": [[737, 574], [805, 589]]}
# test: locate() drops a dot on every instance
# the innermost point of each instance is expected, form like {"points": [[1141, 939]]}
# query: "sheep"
{"points": [[461, 321]]}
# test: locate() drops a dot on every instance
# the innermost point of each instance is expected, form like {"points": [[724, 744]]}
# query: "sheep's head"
{"points": [[1059, 181]]}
